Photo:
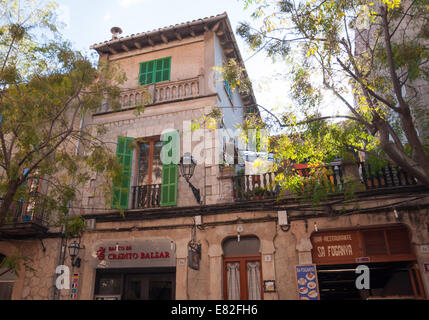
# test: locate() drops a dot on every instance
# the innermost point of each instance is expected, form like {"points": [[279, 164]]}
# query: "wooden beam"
{"points": [[112, 50], [178, 36], [125, 47], [192, 32], [220, 33], [164, 38], [206, 28], [138, 45], [150, 41], [216, 26], [228, 50]]}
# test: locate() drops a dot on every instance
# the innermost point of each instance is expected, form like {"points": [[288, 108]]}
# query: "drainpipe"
{"points": [[62, 249]]}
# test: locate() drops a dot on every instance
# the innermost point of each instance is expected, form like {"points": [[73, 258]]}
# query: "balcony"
{"points": [[147, 196], [166, 91], [263, 186], [26, 220]]}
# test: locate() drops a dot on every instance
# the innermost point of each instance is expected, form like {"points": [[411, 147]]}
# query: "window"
{"points": [[137, 284], [155, 183], [7, 280], [242, 269], [155, 71], [227, 89], [121, 191], [149, 167]]}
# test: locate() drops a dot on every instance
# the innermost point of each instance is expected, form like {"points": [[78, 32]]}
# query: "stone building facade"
{"points": [[237, 242]]}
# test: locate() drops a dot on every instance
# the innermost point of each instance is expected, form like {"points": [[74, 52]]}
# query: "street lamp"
{"points": [[73, 252], [187, 167]]}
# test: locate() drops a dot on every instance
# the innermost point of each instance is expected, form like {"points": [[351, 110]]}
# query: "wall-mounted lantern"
{"points": [[187, 167], [74, 252]]}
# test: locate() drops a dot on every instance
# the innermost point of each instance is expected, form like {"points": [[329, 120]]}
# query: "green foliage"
{"points": [[15, 262], [48, 92], [342, 47], [73, 225]]}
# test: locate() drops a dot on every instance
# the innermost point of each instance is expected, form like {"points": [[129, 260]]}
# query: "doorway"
{"points": [[242, 272], [390, 280], [136, 284]]}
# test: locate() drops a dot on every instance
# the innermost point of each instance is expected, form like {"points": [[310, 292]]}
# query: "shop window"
{"points": [[133, 284], [242, 269]]}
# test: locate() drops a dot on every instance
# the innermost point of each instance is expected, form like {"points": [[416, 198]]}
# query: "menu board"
{"points": [[307, 284]]}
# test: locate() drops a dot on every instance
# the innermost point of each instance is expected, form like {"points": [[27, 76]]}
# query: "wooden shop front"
{"points": [[386, 251]]}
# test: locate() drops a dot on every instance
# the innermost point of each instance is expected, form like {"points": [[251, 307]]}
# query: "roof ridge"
{"points": [[162, 28]]}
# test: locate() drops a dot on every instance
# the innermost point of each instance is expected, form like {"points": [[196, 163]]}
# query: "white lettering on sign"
{"points": [[321, 252], [336, 251], [343, 237]]}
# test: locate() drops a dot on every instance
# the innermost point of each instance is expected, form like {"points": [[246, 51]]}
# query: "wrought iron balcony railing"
{"points": [[263, 186], [147, 196], [25, 218]]}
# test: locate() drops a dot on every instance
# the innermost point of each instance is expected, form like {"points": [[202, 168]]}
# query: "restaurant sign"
{"points": [[332, 247], [134, 254]]}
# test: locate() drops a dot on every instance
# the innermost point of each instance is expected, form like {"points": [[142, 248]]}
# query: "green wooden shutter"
{"points": [[121, 191], [155, 71], [169, 179]]}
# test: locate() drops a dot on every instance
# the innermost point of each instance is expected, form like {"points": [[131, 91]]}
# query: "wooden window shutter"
{"points": [[154, 71], [169, 176], [375, 243], [121, 191], [399, 242]]}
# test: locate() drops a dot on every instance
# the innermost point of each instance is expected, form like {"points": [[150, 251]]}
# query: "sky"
{"points": [[88, 22]]}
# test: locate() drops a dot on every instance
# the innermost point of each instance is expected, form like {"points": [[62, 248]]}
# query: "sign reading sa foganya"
{"points": [[335, 247]]}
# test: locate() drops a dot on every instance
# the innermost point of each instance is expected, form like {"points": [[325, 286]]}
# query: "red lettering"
{"points": [[111, 256], [161, 255], [135, 256], [147, 255], [156, 255], [151, 255], [112, 248], [167, 254], [129, 248]]}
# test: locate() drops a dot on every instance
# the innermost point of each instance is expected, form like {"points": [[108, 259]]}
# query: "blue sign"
{"points": [[308, 287]]}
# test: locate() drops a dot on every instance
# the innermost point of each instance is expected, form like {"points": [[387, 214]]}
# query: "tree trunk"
{"points": [[8, 199]]}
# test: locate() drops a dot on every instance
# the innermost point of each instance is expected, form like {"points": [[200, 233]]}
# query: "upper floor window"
{"points": [[228, 89], [149, 162], [155, 71]]}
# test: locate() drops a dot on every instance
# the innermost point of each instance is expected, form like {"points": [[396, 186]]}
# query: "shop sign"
{"points": [[307, 284], [134, 254], [331, 247]]}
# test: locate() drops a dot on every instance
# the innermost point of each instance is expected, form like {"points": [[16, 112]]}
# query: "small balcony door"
{"points": [[149, 166], [242, 269]]}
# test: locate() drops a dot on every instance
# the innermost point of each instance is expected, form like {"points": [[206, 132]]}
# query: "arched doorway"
{"points": [[7, 280], [242, 272]]}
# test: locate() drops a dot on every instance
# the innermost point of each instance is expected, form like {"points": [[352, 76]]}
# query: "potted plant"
{"points": [[226, 169], [259, 193]]}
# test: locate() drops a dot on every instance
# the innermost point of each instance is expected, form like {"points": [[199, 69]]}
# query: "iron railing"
{"points": [[263, 186], [147, 196], [29, 211]]}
